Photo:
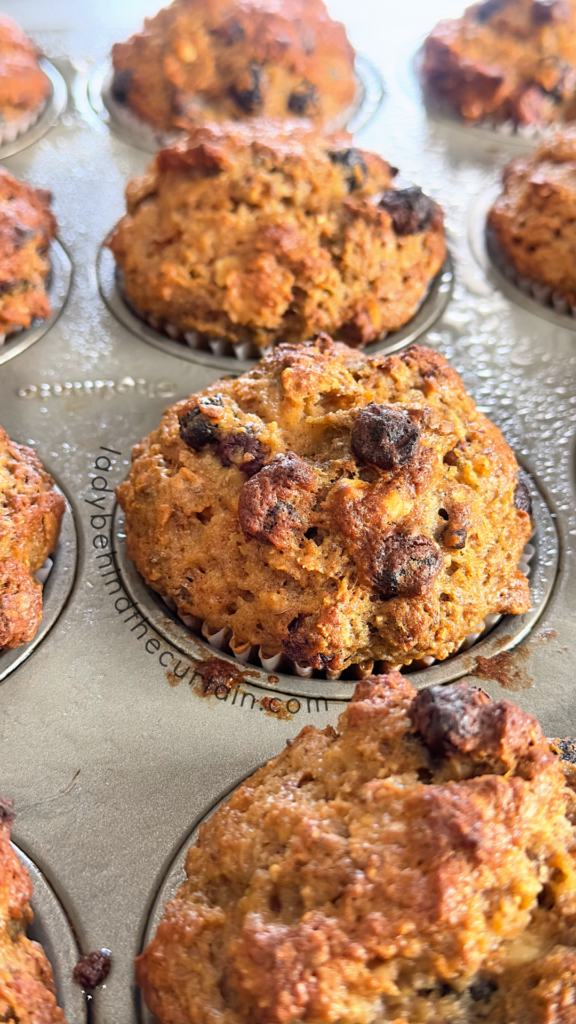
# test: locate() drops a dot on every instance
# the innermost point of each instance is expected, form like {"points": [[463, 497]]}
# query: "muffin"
{"points": [[266, 232], [506, 60], [27, 994], [24, 88], [337, 508], [30, 519], [224, 60], [27, 227], [532, 224], [418, 864]]}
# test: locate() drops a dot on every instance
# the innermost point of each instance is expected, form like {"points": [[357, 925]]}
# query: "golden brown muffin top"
{"points": [[236, 60], [339, 507], [27, 226], [26, 984], [511, 59], [270, 231], [417, 864], [30, 518], [23, 84]]}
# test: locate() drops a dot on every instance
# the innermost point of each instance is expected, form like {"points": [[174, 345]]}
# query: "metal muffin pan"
{"points": [[127, 126], [111, 290], [59, 282], [110, 750], [52, 929]]}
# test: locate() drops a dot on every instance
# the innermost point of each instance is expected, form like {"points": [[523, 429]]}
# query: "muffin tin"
{"points": [[118, 734]]}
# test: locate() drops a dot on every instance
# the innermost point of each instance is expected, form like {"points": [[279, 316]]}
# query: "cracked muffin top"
{"points": [[30, 519], [417, 864], [23, 85], [533, 220], [335, 507], [27, 994], [506, 60], [27, 227], [223, 60], [269, 232]]}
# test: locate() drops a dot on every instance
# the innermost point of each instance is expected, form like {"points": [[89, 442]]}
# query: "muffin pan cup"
{"points": [[123, 728], [222, 354], [57, 287], [18, 134], [539, 298], [52, 929], [128, 126]]}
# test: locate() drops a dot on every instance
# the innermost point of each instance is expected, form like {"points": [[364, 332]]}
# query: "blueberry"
{"points": [[411, 211], [121, 85], [195, 431], [300, 101], [384, 436], [404, 566], [249, 96], [353, 160]]}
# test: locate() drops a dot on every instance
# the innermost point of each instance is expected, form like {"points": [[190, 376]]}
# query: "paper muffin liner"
{"points": [[541, 293], [274, 660], [9, 335], [44, 571], [16, 126]]}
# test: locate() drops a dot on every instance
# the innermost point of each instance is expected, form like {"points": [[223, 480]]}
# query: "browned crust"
{"points": [[222, 60], [367, 570], [416, 864], [506, 61], [533, 220], [269, 232], [27, 227], [23, 84], [27, 994], [30, 520]]}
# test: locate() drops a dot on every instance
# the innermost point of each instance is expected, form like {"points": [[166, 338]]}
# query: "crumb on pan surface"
{"points": [[30, 519], [506, 60], [24, 87], [27, 994], [27, 227], [533, 221], [270, 232], [416, 865], [337, 507], [223, 60]]}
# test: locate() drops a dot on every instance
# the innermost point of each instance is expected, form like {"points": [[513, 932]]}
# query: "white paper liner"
{"points": [[44, 571], [541, 293], [16, 126], [275, 660]]}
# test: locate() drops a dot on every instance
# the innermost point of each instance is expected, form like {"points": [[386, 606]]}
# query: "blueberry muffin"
{"points": [[24, 88], [224, 60], [30, 519], [417, 864], [338, 508], [532, 223], [268, 232], [27, 227], [506, 60], [27, 994]]}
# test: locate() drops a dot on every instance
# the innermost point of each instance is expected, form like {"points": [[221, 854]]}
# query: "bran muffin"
{"points": [[271, 232], [27, 227], [338, 508], [30, 519], [506, 60], [27, 994], [532, 223], [214, 59], [24, 87], [416, 865]]}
